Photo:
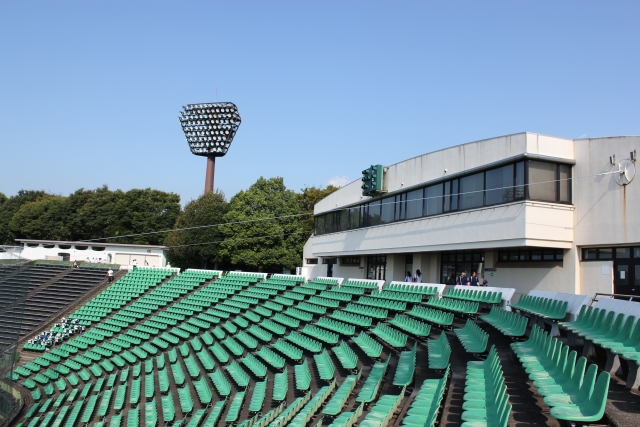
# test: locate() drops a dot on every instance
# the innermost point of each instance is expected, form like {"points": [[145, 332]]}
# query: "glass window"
{"points": [[589, 253], [560, 255], [549, 255], [401, 206], [414, 204], [388, 210], [374, 213], [352, 260], [344, 219], [513, 256], [447, 196], [605, 253], [542, 181], [454, 195], [320, 224], [623, 253], [525, 256], [364, 212], [433, 200], [519, 180], [503, 256], [536, 255], [636, 252], [500, 185], [328, 223], [472, 191], [354, 217], [312, 260], [564, 183]]}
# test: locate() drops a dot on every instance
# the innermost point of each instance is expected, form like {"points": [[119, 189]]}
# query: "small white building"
{"points": [[112, 253], [524, 211]]}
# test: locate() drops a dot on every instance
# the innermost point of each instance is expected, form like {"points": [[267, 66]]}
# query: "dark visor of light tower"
{"points": [[209, 129]]}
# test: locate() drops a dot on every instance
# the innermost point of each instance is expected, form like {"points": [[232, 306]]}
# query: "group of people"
{"points": [[474, 280], [416, 278], [96, 260], [60, 332]]}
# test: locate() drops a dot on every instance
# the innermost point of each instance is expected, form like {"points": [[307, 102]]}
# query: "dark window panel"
{"points": [[542, 181], [590, 253], [564, 183], [519, 167], [388, 210], [454, 195], [433, 200], [500, 187], [472, 191], [414, 204], [605, 253]]}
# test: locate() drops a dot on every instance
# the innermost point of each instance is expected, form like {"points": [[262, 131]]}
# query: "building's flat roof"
{"points": [[64, 242]]}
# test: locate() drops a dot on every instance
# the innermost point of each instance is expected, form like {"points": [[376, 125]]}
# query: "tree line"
{"points": [[262, 228]]}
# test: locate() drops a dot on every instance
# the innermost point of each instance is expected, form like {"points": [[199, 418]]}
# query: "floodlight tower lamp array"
{"points": [[209, 130]]}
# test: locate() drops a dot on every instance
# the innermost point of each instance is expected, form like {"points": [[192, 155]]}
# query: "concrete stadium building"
{"points": [[526, 211]]}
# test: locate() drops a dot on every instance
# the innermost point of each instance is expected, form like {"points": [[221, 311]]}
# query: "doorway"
{"points": [[626, 280], [377, 267]]}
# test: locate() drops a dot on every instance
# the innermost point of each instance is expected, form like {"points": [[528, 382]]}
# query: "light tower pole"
{"points": [[209, 130]]}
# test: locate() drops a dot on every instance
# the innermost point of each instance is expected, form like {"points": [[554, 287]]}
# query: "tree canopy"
{"points": [[208, 209], [275, 238], [262, 228]]}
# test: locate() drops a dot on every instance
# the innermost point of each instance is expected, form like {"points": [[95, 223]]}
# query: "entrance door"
{"points": [[627, 276], [329, 270]]}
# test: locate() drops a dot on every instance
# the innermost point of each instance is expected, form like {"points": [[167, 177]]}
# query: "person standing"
{"points": [[462, 280], [135, 263], [407, 278], [110, 275], [474, 281], [418, 277]]}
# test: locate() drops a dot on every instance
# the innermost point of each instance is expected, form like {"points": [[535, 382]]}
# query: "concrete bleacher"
{"points": [[34, 294], [198, 349]]}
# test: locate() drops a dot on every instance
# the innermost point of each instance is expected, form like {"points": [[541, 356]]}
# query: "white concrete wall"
{"points": [[606, 213], [516, 224], [596, 276], [156, 257]]}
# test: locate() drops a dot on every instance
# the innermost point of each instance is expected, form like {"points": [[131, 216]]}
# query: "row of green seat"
{"points": [[306, 412], [340, 397], [412, 289], [509, 323], [425, 407], [348, 419], [352, 318], [376, 313], [370, 346], [472, 337], [371, 386], [336, 326], [432, 315], [413, 326], [439, 352], [345, 354], [476, 295], [382, 412], [486, 401], [546, 308], [397, 296], [574, 395], [463, 307], [389, 335], [302, 376], [325, 365], [406, 367], [382, 303]]}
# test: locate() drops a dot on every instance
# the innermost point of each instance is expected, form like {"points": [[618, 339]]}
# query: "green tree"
{"points": [[208, 209], [45, 218], [270, 244], [307, 198], [104, 213], [9, 207]]}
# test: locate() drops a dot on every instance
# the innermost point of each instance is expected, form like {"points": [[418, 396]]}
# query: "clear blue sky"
{"points": [[91, 90]]}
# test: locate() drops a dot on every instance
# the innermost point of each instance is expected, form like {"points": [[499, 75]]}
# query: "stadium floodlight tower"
{"points": [[209, 129]]}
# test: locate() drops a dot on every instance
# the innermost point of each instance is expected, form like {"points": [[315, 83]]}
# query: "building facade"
{"points": [[112, 253], [527, 211]]}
